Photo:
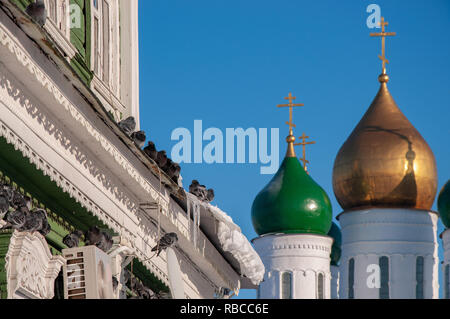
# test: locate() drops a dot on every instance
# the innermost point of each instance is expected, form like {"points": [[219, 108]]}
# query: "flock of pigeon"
{"points": [[17, 212], [93, 237], [171, 168], [139, 289]]}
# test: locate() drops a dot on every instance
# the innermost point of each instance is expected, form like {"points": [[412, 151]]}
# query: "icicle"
{"points": [[196, 223]]}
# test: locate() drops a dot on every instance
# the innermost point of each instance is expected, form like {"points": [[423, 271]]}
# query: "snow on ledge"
{"points": [[234, 242]]}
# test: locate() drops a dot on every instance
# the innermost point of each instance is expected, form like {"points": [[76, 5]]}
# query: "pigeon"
{"points": [[35, 221], [73, 239], [4, 205], [201, 192], [210, 195], [19, 201], [176, 172], [106, 242], [37, 12], [126, 276], [95, 237], [8, 192], [139, 138], [168, 240], [161, 159], [16, 219], [46, 228], [128, 125], [151, 151], [198, 190], [172, 169]]}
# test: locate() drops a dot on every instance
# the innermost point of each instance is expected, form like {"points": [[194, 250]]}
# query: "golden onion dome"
{"points": [[385, 162]]}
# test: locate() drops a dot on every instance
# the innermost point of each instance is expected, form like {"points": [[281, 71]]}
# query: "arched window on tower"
{"points": [[320, 285], [351, 278], [384, 277], [419, 277], [286, 285]]}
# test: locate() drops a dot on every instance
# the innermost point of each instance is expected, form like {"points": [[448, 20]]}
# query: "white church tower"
{"points": [[444, 211], [292, 216], [385, 179]]}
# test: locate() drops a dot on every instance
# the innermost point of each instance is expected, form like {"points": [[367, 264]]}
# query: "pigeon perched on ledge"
{"points": [[95, 237], [172, 169], [15, 220], [128, 125], [210, 195], [168, 240], [161, 159], [37, 12], [36, 221], [151, 151], [73, 239], [201, 192], [4, 206], [139, 138]]}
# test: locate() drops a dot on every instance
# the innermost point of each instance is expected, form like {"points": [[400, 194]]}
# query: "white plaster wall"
{"points": [[334, 285], [304, 255], [400, 234]]}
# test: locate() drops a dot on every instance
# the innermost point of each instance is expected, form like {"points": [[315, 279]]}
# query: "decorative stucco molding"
{"points": [[30, 267], [46, 82]]}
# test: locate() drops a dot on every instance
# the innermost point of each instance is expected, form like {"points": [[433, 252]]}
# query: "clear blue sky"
{"points": [[229, 63]]}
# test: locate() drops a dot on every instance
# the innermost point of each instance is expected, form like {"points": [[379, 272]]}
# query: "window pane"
{"points": [[384, 269], [286, 285], [351, 278], [419, 277], [106, 42], [320, 286]]}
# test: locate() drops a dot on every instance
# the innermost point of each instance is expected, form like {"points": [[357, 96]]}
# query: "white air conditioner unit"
{"points": [[87, 274]]}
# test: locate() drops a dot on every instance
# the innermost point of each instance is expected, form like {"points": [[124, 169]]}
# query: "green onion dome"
{"points": [[335, 233], [444, 205], [292, 202]]}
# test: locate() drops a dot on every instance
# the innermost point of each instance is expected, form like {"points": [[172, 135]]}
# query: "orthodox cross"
{"points": [[383, 36], [291, 106], [304, 143]]}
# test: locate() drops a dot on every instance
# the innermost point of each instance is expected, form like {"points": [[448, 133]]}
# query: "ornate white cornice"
{"points": [[46, 82]]}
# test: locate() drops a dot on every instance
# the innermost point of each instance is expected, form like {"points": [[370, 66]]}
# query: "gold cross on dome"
{"points": [[383, 36], [304, 137], [291, 106]]}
